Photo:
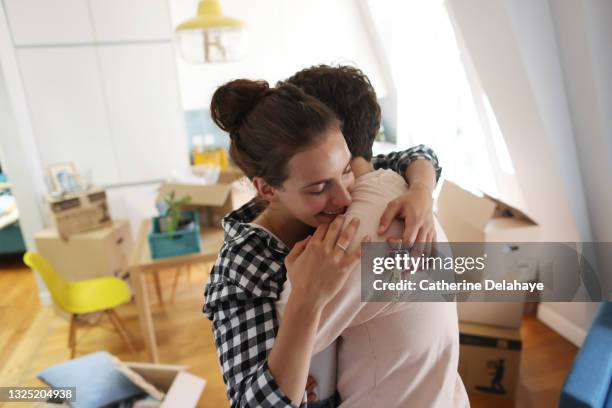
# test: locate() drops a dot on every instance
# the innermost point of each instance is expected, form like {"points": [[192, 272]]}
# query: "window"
{"points": [[439, 101]]}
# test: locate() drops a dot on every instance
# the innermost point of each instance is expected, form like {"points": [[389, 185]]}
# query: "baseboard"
{"points": [[561, 325]]}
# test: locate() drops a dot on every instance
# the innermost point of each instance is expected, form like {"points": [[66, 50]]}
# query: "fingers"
{"points": [[419, 243], [320, 232], [297, 250], [391, 212], [345, 237], [428, 243], [311, 383], [411, 231], [333, 232]]}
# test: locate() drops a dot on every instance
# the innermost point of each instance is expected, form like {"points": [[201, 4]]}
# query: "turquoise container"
{"points": [[181, 242]]}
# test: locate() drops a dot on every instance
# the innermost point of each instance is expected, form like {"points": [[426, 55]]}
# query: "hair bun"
{"points": [[232, 102]]}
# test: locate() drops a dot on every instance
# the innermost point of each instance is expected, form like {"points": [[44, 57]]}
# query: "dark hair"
{"points": [[267, 126], [349, 93]]}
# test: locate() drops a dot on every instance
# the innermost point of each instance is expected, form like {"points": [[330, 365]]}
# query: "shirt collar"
{"points": [[238, 230]]}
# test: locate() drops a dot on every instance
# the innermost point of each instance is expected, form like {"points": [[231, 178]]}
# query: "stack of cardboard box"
{"points": [[83, 241], [489, 332], [76, 212]]}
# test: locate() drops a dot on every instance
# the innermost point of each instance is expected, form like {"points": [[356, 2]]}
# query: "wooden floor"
{"points": [[33, 338]]}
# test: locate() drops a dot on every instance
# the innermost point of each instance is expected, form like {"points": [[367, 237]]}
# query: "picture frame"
{"points": [[64, 178]]}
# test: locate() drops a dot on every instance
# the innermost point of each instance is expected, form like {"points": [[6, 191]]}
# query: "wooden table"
{"points": [[142, 264]]}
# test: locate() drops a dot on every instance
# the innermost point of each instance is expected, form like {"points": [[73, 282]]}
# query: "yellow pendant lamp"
{"points": [[211, 36]]}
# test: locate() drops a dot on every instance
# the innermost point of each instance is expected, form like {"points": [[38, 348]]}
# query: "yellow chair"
{"points": [[88, 296]]}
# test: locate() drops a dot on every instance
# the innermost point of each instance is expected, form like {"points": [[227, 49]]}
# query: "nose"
{"points": [[341, 196]]}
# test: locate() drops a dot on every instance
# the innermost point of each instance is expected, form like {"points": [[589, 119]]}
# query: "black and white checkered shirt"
{"points": [[242, 288]]}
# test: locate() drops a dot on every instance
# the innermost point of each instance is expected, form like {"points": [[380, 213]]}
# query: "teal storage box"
{"points": [[180, 242]]}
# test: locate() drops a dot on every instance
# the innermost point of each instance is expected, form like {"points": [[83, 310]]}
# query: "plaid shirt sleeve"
{"points": [[244, 327], [399, 161]]}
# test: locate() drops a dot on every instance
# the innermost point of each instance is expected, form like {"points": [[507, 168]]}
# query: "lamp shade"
{"points": [[211, 36]]}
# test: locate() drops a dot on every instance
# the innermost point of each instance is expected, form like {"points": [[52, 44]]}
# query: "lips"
{"points": [[334, 212]]}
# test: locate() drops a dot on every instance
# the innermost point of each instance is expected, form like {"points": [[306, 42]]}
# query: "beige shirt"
{"points": [[390, 354]]}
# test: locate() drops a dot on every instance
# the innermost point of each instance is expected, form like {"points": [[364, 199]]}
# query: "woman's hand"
{"points": [[319, 265], [311, 389], [415, 207]]}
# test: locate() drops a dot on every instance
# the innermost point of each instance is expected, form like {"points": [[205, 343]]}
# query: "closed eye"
{"points": [[324, 185], [319, 191]]}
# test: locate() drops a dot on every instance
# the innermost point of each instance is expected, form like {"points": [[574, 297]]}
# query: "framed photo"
{"points": [[64, 178]]}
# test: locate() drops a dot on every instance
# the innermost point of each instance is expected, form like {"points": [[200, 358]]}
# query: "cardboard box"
{"points": [[489, 359], [102, 252], [500, 314], [78, 212], [214, 201], [472, 217], [182, 388]]}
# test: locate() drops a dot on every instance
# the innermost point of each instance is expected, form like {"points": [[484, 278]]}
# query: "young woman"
{"points": [[277, 137]]}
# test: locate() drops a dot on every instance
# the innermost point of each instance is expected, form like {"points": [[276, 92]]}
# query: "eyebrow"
{"points": [[325, 180]]}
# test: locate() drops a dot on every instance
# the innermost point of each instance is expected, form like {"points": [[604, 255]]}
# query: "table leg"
{"points": [[144, 313], [160, 298]]}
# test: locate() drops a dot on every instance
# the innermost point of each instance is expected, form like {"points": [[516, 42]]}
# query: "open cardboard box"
{"points": [[214, 200], [115, 381], [182, 388], [470, 217]]}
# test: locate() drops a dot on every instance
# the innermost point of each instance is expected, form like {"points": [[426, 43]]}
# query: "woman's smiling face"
{"points": [[319, 181]]}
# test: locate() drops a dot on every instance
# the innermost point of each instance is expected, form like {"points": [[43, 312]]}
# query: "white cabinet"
{"points": [[68, 108], [130, 20], [100, 80], [146, 119], [44, 22], [39, 22]]}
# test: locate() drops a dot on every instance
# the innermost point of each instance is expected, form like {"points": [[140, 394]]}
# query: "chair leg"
{"points": [[160, 299], [72, 336], [114, 318]]}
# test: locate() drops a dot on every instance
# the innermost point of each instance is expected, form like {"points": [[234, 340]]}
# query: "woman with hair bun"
{"points": [[291, 147]]}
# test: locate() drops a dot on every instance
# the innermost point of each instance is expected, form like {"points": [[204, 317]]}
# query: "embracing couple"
{"points": [[285, 289]]}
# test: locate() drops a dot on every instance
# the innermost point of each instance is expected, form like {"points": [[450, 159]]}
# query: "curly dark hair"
{"points": [[349, 93]]}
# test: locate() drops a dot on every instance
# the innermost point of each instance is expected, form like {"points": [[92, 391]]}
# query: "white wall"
{"points": [[538, 63], [284, 37], [583, 30], [18, 150]]}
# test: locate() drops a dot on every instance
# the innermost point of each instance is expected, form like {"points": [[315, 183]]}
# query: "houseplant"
{"points": [[175, 231], [171, 210]]}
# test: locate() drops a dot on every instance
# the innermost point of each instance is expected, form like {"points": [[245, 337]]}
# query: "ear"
{"points": [[265, 191]]}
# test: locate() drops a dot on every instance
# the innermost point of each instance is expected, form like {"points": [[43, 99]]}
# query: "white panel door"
{"points": [[35, 22], [64, 91], [144, 109], [130, 20]]}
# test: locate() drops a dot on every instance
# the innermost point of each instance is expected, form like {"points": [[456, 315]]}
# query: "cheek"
{"points": [[315, 204], [304, 204]]}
